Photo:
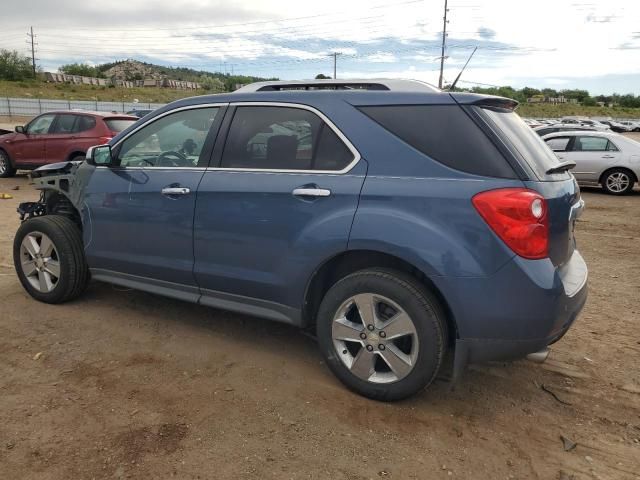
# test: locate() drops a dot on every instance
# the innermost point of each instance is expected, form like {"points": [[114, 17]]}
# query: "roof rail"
{"points": [[367, 84]]}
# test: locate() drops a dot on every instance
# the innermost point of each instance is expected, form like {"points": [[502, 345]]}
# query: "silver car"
{"points": [[606, 158]]}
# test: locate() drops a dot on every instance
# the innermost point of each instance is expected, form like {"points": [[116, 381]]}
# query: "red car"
{"points": [[57, 137]]}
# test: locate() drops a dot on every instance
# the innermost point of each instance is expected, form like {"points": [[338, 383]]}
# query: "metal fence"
{"points": [[28, 107]]}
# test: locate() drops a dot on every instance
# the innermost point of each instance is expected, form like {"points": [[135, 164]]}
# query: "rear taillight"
{"points": [[519, 217]]}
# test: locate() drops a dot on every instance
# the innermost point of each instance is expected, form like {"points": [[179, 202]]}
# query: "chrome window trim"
{"points": [[323, 117], [162, 115], [155, 169]]}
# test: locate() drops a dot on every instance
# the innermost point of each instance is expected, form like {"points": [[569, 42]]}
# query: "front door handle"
{"points": [[311, 192], [608, 156], [170, 191]]}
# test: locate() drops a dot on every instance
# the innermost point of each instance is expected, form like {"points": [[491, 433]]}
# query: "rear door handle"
{"points": [[170, 191], [311, 192], [608, 156]]}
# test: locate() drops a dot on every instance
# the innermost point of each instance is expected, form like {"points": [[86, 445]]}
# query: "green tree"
{"points": [[579, 95], [589, 102], [14, 66], [322, 76], [81, 69], [211, 83]]}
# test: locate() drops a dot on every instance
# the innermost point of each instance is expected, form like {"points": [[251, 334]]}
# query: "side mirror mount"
{"points": [[100, 156], [20, 129]]}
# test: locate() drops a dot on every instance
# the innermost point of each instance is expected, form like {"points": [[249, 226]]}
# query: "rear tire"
{"points": [[6, 169], [391, 353], [618, 181], [48, 255]]}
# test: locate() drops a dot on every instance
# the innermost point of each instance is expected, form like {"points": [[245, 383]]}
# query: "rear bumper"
{"points": [[533, 313]]}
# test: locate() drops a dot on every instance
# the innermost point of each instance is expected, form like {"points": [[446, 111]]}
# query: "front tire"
{"points": [[382, 334], [618, 181], [6, 169], [49, 259]]}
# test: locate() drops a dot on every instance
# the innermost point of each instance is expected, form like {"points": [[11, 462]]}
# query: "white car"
{"points": [[606, 158], [633, 126], [586, 122]]}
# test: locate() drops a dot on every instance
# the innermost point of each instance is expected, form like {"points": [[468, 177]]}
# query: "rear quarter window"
{"points": [[444, 133]]}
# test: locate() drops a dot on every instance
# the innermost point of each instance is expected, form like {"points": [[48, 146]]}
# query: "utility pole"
{"points": [[33, 51], [335, 61], [444, 41]]}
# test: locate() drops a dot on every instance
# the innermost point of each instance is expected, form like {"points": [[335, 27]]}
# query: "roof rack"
{"points": [[368, 84]]}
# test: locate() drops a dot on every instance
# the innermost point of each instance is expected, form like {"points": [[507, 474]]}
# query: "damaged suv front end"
{"points": [[61, 188]]}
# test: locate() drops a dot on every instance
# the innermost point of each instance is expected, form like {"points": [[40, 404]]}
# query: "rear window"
{"points": [[530, 146], [444, 133], [118, 124]]}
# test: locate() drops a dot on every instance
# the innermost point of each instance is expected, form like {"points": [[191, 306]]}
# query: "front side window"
{"points": [[172, 141], [40, 125], [590, 144], [558, 144], [283, 138]]}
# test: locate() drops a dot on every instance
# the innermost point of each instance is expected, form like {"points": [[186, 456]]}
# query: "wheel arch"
{"points": [[608, 170], [350, 261], [76, 153], [57, 202], [4, 150]]}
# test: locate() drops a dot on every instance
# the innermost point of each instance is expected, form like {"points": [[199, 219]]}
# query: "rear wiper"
{"points": [[561, 167]]}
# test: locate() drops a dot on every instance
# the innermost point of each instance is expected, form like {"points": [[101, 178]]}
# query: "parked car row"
{"points": [[621, 126]]}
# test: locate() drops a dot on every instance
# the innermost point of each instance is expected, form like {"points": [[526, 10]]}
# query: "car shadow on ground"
{"points": [[170, 318]]}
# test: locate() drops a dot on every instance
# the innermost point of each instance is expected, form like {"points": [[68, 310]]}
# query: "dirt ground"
{"points": [[124, 384]]}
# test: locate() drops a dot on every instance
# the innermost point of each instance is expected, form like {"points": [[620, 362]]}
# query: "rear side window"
{"points": [[592, 144], [444, 133], [118, 124], [283, 138], [85, 123], [529, 146]]}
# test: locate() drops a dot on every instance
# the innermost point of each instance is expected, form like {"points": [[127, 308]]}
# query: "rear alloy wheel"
{"points": [[618, 182], [48, 255], [6, 169], [382, 334]]}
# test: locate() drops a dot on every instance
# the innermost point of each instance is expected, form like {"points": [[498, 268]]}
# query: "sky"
{"points": [[589, 44]]}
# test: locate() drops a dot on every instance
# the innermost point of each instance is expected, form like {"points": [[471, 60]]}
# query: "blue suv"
{"points": [[402, 222]]}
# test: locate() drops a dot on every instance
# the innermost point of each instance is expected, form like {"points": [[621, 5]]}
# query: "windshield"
{"points": [[528, 144]]}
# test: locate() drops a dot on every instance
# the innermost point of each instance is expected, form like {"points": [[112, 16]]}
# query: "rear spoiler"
{"points": [[489, 101]]}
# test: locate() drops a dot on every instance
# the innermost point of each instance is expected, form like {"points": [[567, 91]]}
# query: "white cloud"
{"points": [[550, 43]]}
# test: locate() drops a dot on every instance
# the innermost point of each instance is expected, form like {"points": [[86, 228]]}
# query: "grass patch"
{"points": [[556, 111], [39, 89]]}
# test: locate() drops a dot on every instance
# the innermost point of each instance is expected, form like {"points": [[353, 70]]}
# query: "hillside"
{"points": [[135, 70], [41, 89]]}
